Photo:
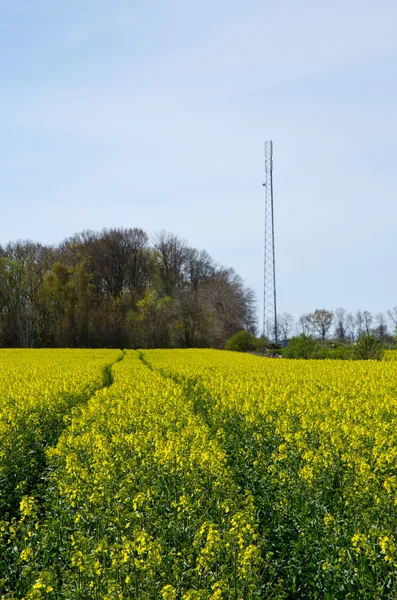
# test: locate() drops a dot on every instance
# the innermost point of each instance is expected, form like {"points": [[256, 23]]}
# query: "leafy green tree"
{"points": [[368, 347], [58, 295], [242, 341], [300, 346], [152, 321], [320, 321]]}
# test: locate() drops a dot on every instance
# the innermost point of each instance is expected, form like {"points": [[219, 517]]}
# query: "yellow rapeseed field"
{"points": [[390, 355], [196, 475], [38, 388]]}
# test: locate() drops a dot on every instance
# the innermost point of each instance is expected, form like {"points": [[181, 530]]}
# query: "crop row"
{"points": [[38, 389]]}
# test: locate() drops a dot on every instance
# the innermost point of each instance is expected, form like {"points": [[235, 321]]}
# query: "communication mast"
{"points": [[269, 296]]}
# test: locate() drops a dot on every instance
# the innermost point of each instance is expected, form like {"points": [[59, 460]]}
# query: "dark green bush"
{"points": [[368, 347], [304, 346], [260, 344], [243, 341], [300, 346], [332, 351]]}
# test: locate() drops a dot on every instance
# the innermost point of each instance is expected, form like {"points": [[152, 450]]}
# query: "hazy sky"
{"points": [[154, 114]]}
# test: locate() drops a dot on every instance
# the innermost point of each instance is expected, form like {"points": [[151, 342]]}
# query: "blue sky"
{"points": [[155, 114]]}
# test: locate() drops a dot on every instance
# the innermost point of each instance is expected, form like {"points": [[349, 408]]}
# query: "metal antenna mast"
{"points": [[269, 297]]}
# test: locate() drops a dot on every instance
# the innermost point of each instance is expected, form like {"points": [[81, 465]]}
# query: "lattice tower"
{"points": [[269, 297]]}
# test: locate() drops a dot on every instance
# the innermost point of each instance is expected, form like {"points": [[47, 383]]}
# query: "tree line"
{"points": [[339, 325], [117, 288]]}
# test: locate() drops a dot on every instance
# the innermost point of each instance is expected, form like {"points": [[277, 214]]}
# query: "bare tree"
{"points": [[367, 321], [305, 325], [122, 259], [340, 324], [117, 259], [321, 321], [351, 327], [30, 262], [234, 305], [359, 319], [392, 314], [285, 325], [381, 327], [172, 253], [197, 269]]}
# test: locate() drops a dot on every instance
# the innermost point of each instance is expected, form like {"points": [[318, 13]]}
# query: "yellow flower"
{"points": [[168, 592]]}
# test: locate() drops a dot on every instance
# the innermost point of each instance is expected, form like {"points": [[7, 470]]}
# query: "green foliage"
{"points": [[300, 346], [260, 344], [88, 291], [243, 341], [152, 321], [321, 321], [390, 355], [332, 351], [368, 347]]}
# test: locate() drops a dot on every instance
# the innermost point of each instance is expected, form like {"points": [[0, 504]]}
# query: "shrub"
{"points": [[368, 347], [260, 344], [300, 346], [328, 350], [242, 341]]}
